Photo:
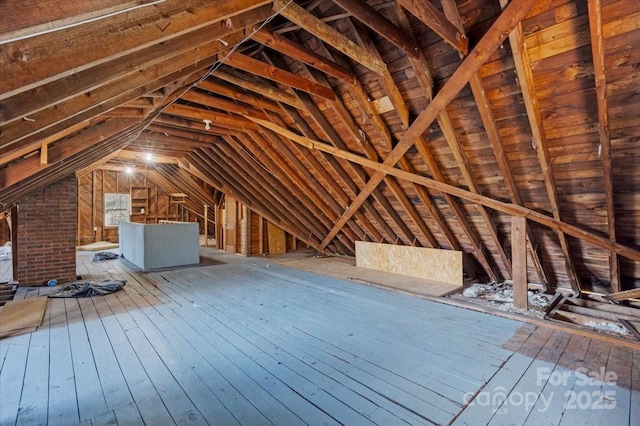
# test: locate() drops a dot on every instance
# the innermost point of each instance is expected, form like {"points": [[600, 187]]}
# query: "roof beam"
{"points": [[267, 91], [425, 80], [324, 32], [508, 208], [105, 98], [51, 57], [525, 78], [231, 92], [597, 50], [194, 45], [332, 178], [373, 19], [432, 18], [296, 51], [56, 15], [60, 151], [486, 114], [254, 66], [496, 34]]}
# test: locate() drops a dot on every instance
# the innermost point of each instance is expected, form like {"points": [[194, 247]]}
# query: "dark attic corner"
{"points": [[333, 211]]}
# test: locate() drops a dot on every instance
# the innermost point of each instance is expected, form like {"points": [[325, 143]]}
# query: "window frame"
{"points": [[126, 211]]}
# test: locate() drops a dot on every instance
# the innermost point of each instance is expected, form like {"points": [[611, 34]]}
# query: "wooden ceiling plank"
{"points": [[324, 32], [118, 35], [300, 53], [8, 156], [496, 34], [254, 66], [268, 92], [597, 50], [373, 19], [49, 175], [432, 18], [386, 80], [525, 78], [486, 114], [501, 206]]}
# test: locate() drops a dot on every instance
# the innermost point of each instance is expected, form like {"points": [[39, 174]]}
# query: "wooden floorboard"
{"points": [[249, 342]]}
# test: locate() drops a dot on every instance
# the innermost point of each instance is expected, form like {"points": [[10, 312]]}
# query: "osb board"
{"points": [[277, 242], [419, 262], [21, 316]]}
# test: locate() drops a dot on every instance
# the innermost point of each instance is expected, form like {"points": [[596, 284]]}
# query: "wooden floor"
{"points": [[250, 342]]}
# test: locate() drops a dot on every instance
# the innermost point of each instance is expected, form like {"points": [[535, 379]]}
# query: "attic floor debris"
{"points": [[589, 311]]}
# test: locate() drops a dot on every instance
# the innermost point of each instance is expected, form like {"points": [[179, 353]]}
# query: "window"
{"points": [[116, 209]]}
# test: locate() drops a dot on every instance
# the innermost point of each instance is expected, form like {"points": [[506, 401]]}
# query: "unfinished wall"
{"points": [[91, 190], [46, 234]]}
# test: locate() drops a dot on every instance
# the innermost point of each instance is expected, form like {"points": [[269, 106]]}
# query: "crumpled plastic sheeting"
{"points": [[89, 289], [104, 255]]}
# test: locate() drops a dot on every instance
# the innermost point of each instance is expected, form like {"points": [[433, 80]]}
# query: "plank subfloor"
{"points": [[249, 342]]}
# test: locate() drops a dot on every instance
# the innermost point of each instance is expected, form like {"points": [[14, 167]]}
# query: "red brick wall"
{"points": [[47, 222]]}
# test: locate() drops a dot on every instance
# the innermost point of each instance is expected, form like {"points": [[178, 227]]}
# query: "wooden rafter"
{"points": [[185, 49], [509, 18], [435, 20], [324, 32], [296, 51], [372, 18], [267, 91], [597, 51], [254, 66], [239, 95], [59, 152], [525, 78], [332, 179], [492, 203], [121, 33]]}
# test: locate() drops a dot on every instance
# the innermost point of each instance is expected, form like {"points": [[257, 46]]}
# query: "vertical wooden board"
{"points": [[277, 243], [255, 234], [98, 205], [519, 261], [432, 264], [230, 215]]}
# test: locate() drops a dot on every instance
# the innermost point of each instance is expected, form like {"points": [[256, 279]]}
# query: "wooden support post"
{"points": [[519, 261], [206, 225]]}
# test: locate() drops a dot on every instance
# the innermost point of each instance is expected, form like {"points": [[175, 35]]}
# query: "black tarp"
{"points": [[89, 289]]}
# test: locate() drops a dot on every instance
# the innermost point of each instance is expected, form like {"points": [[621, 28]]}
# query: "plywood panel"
{"points": [[420, 262], [277, 243]]}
